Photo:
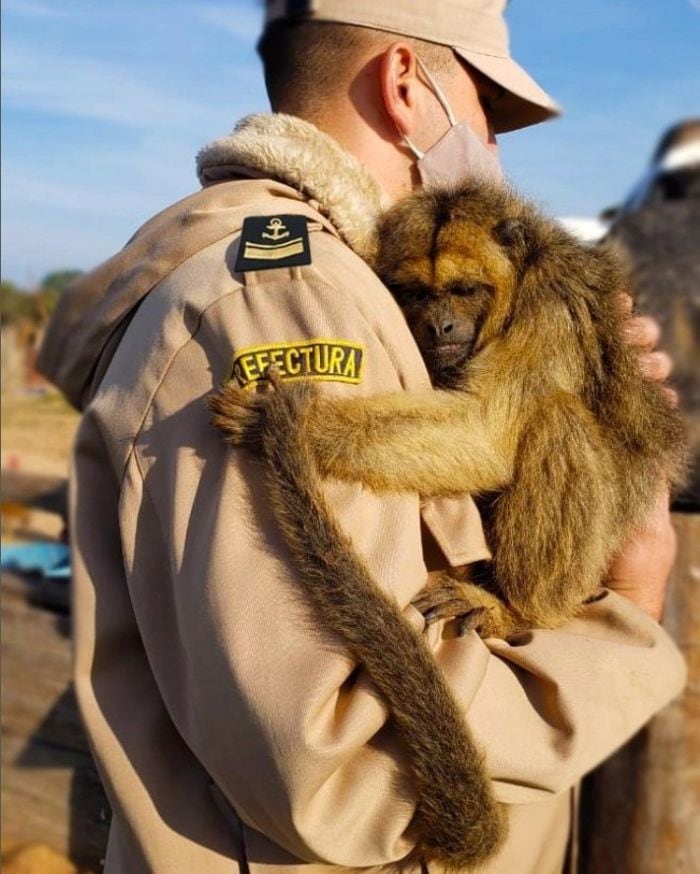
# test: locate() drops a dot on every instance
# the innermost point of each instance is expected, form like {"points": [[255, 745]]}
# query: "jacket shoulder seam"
{"points": [[166, 371]]}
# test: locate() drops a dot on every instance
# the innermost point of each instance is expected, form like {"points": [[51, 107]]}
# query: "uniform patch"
{"points": [[320, 359], [273, 241]]}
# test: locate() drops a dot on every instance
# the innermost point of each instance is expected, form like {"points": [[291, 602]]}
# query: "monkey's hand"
{"points": [[243, 415], [474, 608]]}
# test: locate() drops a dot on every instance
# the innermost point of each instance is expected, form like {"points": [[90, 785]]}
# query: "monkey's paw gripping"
{"points": [[239, 413], [245, 414], [473, 608]]}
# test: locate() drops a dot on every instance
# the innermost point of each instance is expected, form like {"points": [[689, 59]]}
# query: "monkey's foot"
{"points": [[474, 608], [239, 413], [242, 414]]}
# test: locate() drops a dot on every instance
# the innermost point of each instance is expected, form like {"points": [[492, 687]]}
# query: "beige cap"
{"points": [[475, 29]]}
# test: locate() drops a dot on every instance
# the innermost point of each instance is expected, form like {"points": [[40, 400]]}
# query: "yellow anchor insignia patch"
{"points": [[317, 359], [273, 241]]}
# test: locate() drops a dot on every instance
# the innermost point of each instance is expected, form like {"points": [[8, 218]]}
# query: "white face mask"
{"points": [[457, 156]]}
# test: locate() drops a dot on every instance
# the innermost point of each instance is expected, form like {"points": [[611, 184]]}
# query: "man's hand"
{"points": [[642, 569], [643, 333]]}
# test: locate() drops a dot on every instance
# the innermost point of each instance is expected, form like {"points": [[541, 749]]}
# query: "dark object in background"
{"points": [[639, 809], [659, 228]]}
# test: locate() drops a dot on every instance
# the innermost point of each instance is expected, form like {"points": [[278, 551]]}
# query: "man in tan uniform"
{"points": [[231, 733]]}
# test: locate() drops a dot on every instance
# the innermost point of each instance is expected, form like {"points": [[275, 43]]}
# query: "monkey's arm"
{"points": [[436, 443], [551, 529]]}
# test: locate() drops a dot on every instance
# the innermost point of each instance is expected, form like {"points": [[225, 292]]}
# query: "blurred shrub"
{"points": [[20, 304]]}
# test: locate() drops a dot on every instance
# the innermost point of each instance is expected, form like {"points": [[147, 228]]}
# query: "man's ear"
{"points": [[400, 86]]}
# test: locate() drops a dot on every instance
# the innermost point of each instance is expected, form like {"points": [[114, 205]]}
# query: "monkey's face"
{"points": [[451, 261], [445, 322]]}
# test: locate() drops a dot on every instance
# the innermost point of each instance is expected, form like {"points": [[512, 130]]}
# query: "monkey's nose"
{"points": [[441, 327]]}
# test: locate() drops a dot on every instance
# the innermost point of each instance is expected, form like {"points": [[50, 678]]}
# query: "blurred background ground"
{"points": [[53, 805], [37, 432], [40, 427]]}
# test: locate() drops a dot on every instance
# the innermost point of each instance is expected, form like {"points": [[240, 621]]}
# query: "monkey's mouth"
{"points": [[449, 354], [446, 363]]}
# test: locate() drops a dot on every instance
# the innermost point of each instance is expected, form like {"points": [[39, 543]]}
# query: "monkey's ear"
{"points": [[511, 233]]}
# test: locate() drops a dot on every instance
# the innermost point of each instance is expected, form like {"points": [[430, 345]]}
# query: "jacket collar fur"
{"points": [[297, 153]]}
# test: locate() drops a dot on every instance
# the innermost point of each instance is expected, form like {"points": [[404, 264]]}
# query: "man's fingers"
{"points": [[656, 365], [642, 332], [672, 395], [626, 303]]}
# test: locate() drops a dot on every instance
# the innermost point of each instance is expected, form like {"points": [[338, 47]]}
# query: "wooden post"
{"points": [[640, 811]]}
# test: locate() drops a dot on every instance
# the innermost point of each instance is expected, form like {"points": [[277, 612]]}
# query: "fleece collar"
{"points": [[296, 152]]}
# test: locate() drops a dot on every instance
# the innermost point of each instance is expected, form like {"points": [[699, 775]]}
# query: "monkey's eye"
{"points": [[417, 294], [469, 290], [463, 290]]}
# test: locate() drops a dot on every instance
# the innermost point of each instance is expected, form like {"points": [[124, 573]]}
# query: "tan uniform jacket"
{"points": [[231, 733]]}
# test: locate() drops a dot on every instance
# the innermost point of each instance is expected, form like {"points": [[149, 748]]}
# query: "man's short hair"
{"points": [[306, 62]]}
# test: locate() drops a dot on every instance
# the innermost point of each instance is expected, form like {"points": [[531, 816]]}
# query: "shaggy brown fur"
{"points": [[460, 822], [545, 412]]}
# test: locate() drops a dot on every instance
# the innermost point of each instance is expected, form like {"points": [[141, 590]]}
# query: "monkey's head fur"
{"points": [[457, 262], [453, 260], [487, 282]]}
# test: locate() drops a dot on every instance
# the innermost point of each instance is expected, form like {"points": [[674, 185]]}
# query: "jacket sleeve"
{"points": [[286, 724]]}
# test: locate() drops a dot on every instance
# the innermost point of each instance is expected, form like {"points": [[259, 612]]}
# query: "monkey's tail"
{"points": [[461, 823]]}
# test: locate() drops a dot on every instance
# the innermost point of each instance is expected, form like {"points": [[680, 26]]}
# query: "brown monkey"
{"points": [[542, 404], [544, 411]]}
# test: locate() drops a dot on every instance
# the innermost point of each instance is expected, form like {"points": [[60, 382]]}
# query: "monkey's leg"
{"points": [[461, 822], [550, 530], [436, 443], [474, 607]]}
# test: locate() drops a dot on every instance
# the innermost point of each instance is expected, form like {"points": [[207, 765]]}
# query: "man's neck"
{"points": [[372, 146]]}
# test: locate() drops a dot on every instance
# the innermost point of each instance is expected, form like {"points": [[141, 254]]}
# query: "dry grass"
{"points": [[38, 430], [37, 436]]}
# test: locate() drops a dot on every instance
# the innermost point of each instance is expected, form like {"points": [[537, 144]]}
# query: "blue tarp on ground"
{"points": [[51, 560]]}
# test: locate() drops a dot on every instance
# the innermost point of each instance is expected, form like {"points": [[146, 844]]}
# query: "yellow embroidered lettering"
{"points": [[337, 355], [262, 359], [291, 361], [306, 354], [320, 359], [350, 371]]}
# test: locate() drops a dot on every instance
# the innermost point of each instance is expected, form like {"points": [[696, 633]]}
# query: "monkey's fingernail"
{"points": [[672, 395], [626, 302], [642, 331], [656, 365]]}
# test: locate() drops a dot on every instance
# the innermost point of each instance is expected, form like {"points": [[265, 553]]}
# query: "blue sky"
{"points": [[106, 102]]}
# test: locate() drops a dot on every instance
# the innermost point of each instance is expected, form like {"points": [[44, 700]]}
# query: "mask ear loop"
{"points": [[440, 94]]}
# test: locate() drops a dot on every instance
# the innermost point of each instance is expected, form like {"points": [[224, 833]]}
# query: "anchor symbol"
{"points": [[278, 229]]}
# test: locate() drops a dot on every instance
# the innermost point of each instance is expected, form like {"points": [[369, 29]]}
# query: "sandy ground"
{"points": [[37, 431], [37, 435]]}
